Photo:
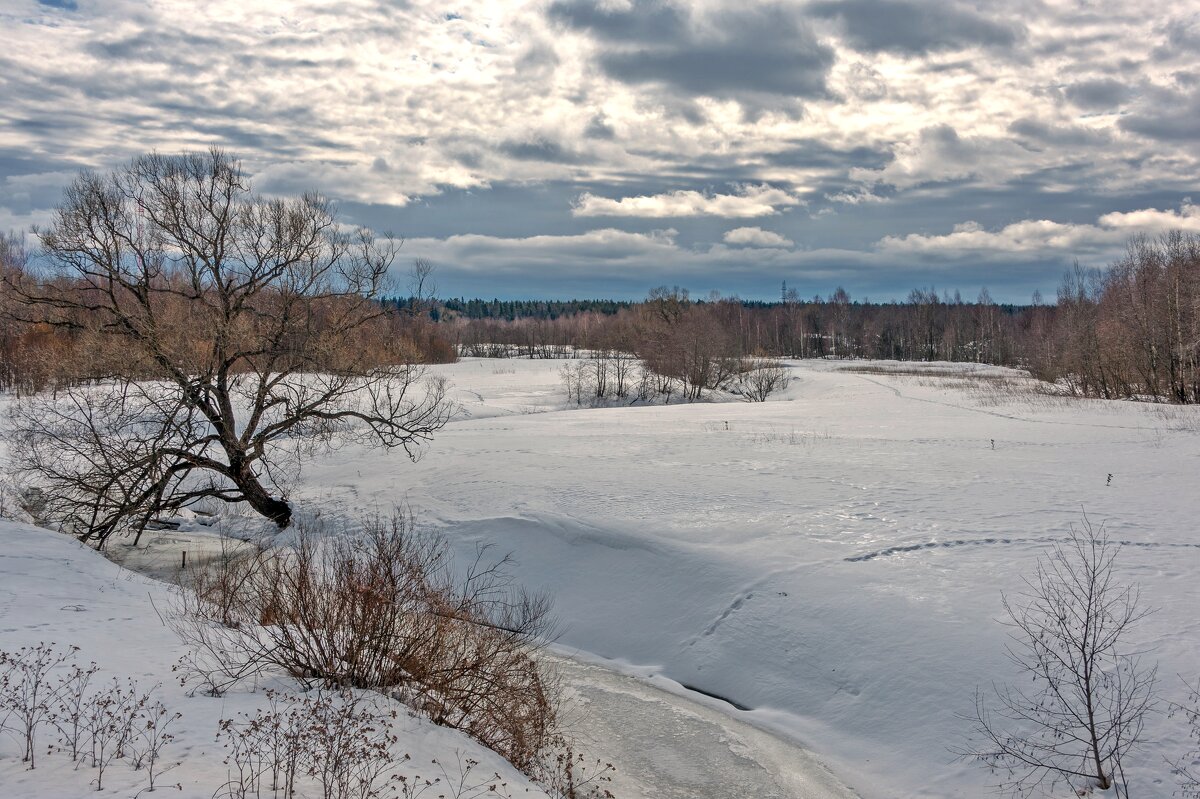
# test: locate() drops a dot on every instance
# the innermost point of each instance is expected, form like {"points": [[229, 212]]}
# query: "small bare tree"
{"points": [[1085, 712], [1186, 768], [233, 333]]}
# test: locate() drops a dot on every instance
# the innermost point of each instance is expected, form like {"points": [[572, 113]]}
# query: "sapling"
{"points": [[1090, 693]]}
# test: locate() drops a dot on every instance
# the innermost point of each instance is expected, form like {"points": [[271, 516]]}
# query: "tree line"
{"points": [[1131, 330], [509, 310]]}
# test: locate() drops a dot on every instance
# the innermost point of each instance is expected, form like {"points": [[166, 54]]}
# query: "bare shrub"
{"points": [[339, 742], [1090, 695], [28, 690], [565, 773], [68, 713], [110, 721], [760, 379], [685, 342], [382, 609], [603, 375], [113, 723], [457, 781], [577, 381], [150, 737]]}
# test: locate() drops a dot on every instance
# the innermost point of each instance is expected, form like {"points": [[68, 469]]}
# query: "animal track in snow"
{"points": [[968, 542]]}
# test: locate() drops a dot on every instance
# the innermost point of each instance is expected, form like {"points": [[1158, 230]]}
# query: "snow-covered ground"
{"points": [[832, 559]]}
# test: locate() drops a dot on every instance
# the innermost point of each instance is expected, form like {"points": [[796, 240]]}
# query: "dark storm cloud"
{"points": [[701, 172], [900, 26], [539, 58], [1172, 117], [1183, 37], [15, 162], [159, 46], [1099, 94], [761, 56], [810, 154], [1036, 133], [645, 21], [539, 150], [598, 128]]}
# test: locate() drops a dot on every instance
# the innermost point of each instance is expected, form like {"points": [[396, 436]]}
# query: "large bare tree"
{"points": [[230, 332]]}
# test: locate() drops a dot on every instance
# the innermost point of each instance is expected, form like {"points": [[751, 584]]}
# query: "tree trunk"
{"points": [[274, 509]]}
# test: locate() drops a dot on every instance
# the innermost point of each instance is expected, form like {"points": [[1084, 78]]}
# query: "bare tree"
{"points": [[422, 285], [236, 332], [1090, 694]]}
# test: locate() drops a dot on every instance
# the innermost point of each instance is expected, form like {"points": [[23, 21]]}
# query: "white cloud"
{"points": [[857, 197], [475, 252], [756, 237], [1043, 238], [1152, 220], [618, 253], [748, 202], [939, 153]]}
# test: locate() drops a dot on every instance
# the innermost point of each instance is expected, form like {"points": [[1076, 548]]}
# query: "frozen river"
{"points": [[668, 746]]}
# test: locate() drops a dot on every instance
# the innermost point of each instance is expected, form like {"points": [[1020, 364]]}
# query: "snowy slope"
{"points": [[54, 590], [833, 559]]}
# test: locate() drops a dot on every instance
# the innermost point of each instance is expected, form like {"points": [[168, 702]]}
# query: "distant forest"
{"points": [[508, 310], [1131, 330]]}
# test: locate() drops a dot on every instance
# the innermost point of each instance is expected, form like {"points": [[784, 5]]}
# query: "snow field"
{"points": [[833, 559]]}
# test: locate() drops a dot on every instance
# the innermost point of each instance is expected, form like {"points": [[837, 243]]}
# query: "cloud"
{"points": [[599, 128], [855, 197], [1098, 94], [914, 28], [755, 237], [750, 201], [1166, 116], [607, 246], [28, 200], [1152, 220], [640, 21], [1042, 237], [938, 153], [763, 56], [539, 149], [1042, 134]]}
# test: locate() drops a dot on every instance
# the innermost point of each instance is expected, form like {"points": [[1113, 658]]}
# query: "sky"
{"points": [[567, 148]]}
